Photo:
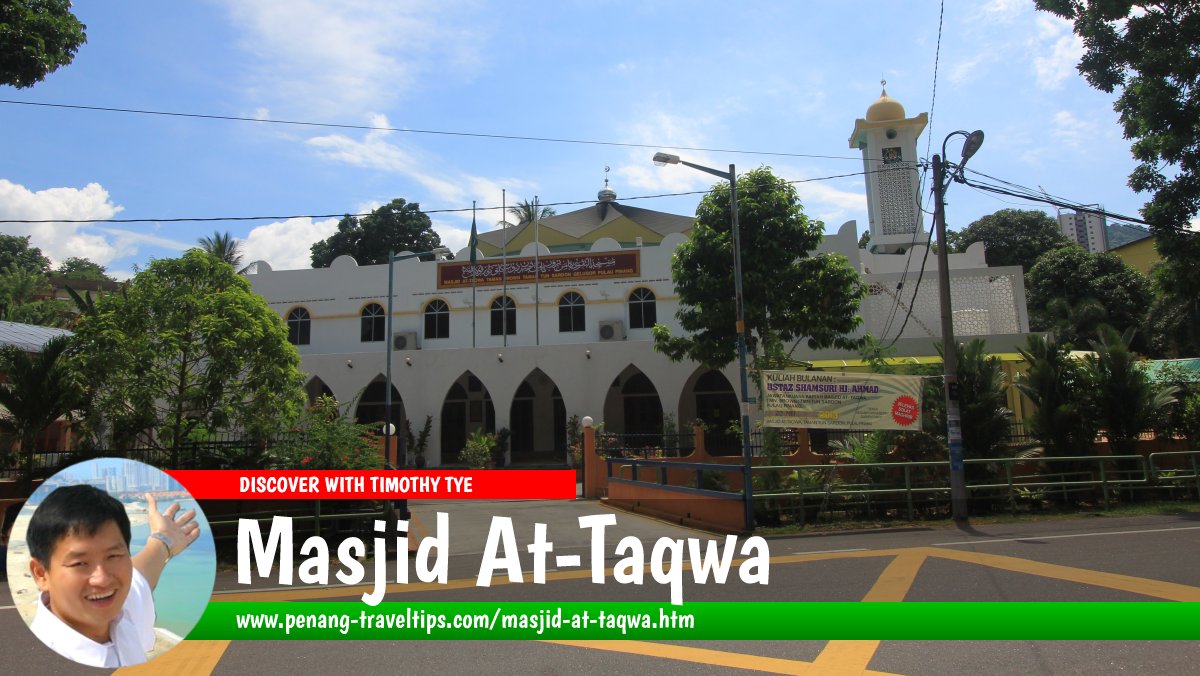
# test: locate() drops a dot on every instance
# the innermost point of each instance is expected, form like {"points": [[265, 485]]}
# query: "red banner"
{"points": [[507, 484]]}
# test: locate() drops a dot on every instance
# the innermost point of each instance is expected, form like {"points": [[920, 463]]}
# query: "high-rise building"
{"points": [[1085, 229]]}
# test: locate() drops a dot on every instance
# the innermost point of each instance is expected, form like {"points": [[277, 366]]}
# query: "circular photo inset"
{"points": [[111, 562]]}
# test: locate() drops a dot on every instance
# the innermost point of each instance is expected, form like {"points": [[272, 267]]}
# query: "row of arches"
{"points": [[538, 415], [642, 306]]}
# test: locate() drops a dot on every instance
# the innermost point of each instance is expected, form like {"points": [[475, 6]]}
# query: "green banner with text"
{"points": [[698, 621]]}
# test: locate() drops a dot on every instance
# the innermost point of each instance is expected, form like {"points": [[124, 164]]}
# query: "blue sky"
{"points": [[763, 77]]}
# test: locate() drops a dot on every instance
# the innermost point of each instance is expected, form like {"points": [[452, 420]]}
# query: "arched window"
{"points": [[437, 319], [373, 323], [643, 311], [299, 326], [570, 312], [504, 316]]}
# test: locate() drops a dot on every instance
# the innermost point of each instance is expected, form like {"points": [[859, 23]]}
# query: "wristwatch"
{"points": [[163, 538]]}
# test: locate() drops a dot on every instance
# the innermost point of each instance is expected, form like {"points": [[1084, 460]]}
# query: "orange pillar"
{"points": [[595, 470]]}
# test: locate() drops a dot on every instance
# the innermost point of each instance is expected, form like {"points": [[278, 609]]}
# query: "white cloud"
{"points": [[833, 205], [964, 71], [666, 131], [286, 245], [454, 190], [1067, 48], [1072, 131], [60, 241], [351, 55], [1003, 10]]}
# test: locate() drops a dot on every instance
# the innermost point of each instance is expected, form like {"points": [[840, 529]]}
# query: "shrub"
{"points": [[477, 454]]}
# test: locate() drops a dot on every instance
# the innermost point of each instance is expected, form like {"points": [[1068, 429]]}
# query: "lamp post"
{"points": [[958, 484], [663, 159], [388, 427]]}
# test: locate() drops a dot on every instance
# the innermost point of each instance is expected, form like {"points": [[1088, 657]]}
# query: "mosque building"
{"points": [[554, 319]]}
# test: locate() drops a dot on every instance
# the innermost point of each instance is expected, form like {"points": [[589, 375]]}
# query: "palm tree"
{"points": [[1127, 401], [223, 246], [1059, 388], [38, 390], [984, 411], [524, 211]]}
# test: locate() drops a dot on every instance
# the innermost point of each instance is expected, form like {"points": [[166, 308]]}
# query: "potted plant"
{"points": [[477, 454], [417, 443], [500, 452]]}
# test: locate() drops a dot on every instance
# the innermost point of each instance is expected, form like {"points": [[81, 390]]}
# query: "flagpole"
{"points": [[537, 274], [504, 262], [474, 244]]}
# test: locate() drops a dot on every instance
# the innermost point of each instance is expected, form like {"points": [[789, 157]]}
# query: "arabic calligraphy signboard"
{"points": [[611, 264]]}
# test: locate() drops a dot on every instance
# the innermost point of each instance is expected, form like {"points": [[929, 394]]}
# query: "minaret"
{"points": [[888, 142]]}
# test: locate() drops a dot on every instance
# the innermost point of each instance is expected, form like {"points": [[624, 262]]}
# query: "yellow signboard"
{"points": [[844, 401]]}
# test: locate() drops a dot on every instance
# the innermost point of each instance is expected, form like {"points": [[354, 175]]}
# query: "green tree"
{"points": [[789, 293], [82, 269], [1063, 419], [1147, 52], [187, 344], [328, 438], [1012, 237], [1075, 276], [20, 290], [523, 211], [1079, 322], [37, 390], [223, 246], [17, 254], [983, 403], [1173, 322], [36, 38], [1127, 402], [396, 226]]}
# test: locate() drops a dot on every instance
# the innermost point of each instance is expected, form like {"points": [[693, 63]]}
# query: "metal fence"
{"points": [[805, 494]]}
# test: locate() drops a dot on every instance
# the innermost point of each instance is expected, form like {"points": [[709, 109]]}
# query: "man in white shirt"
{"points": [[96, 606]]}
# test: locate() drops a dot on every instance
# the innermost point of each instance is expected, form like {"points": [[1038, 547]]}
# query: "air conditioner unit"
{"points": [[612, 330], [405, 341]]}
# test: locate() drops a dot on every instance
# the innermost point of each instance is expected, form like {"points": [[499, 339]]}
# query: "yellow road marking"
{"points": [[893, 585], [770, 665], [846, 657], [895, 580], [1170, 591], [189, 657]]}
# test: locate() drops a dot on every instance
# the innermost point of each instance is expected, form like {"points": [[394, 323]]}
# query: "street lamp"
{"points": [[958, 484], [662, 159], [388, 427]]}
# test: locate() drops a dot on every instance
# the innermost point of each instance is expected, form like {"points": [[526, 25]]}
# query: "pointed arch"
{"points": [[372, 404], [315, 388], [709, 396], [632, 407], [466, 408], [538, 421]]}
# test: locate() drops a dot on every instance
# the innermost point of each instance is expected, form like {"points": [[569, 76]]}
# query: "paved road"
{"points": [[1087, 559]]}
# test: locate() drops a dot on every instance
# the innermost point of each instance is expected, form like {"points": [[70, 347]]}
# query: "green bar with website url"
{"points": [[1126, 621]]}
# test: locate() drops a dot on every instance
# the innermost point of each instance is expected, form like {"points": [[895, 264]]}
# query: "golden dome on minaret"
{"points": [[885, 108]]}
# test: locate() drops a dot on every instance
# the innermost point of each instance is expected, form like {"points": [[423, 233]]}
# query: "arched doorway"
{"points": [[538, 421], [466, 408], [715, 404], [633, 408], [372, 405], [315, 389]]}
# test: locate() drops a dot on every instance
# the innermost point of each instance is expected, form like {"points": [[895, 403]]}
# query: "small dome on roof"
{"points": [[885, 108]]}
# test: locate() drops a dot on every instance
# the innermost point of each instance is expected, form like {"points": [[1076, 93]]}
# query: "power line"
{"points": [[1029, 194], [209, 219], [432, 132]]}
